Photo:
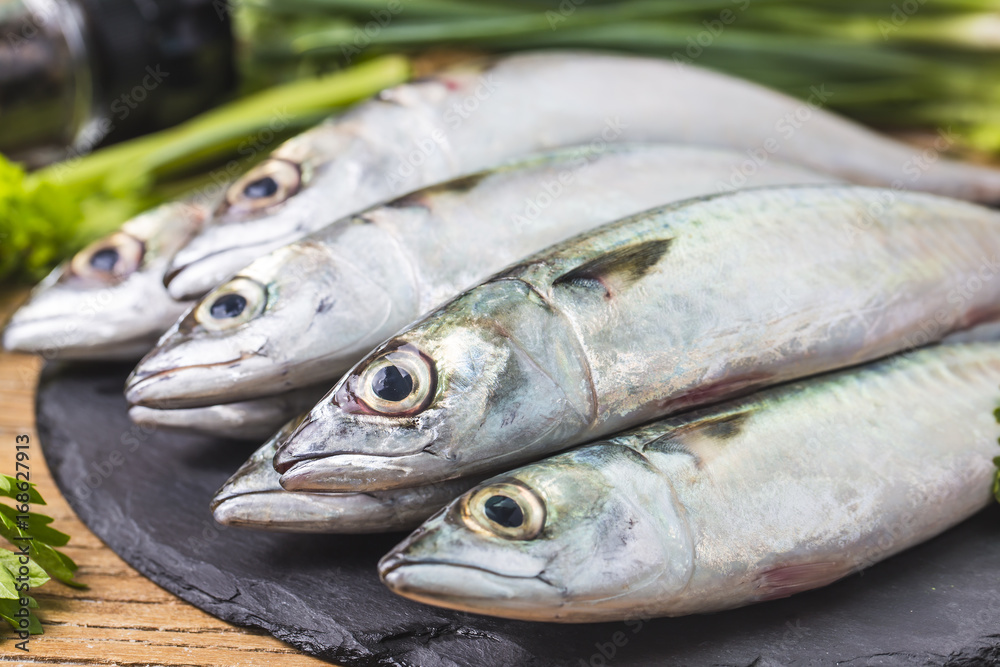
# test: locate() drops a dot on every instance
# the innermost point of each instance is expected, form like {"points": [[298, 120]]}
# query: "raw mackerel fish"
{"points": [[309, 311], [664, 311], [477, 115], [752, 500]]}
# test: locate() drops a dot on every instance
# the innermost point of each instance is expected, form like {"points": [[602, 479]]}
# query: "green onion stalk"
{"points": [[899, 64]]}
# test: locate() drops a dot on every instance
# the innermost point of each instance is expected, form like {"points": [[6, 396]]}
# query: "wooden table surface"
{"points": [[122, 618]]}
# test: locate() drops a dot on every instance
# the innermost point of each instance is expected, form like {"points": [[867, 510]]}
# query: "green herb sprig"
{"points": [[996, 479], [44, 561]]}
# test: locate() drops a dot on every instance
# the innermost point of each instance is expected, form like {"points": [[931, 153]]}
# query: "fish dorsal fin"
{"points": [[616, 269]]}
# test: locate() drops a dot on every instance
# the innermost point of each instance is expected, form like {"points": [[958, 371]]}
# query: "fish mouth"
{"points": [[171, 388], [359, 473], [467, 587]]}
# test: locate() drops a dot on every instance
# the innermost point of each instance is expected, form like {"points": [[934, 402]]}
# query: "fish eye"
{"points": [[109, 259], [266, 185], [228, 306], [105, 260], [232, 304], [400, 382], [392, 383], [505, 509]]}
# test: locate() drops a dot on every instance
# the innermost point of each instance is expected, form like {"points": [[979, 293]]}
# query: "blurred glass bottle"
{"points": [[78, 74]]}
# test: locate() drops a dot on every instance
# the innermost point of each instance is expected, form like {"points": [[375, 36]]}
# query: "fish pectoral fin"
{"points": [[782, 581], [616, 269]]}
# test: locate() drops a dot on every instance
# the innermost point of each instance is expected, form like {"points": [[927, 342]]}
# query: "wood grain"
{"points": [[122, 618]]}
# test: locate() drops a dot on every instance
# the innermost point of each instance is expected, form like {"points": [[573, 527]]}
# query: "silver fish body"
{"points": [[318, 305], [253, 498], [108, 301], [752, 500], [477, 115], [667, 310], [255, 419]]}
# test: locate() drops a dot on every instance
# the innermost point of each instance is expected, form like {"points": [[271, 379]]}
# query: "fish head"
{"points": [[432, 403], [108, 300], [274, 203], [577, 537], [298, 315]]}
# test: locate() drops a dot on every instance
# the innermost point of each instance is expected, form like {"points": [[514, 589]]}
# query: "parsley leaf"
{"points": [[30, 532]]}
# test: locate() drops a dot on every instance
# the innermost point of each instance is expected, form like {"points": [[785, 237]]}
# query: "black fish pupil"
{"points": [[262, 187], [227, 306], [104, 260], [392, 383], [503, 510]]}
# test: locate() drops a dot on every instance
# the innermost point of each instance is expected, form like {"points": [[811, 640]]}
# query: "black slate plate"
{"points": [[146, 495]]}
